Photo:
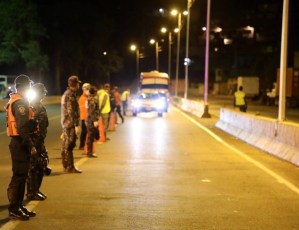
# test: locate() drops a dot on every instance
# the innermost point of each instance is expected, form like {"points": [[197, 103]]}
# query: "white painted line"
{"points": [[242, 154]]}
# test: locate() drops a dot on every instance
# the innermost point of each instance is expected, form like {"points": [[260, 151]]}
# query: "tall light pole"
{"points": [[283, 62], [136, 49], [164, 30], [175, 12], [187, 60], [153, 41], [206, 81]]}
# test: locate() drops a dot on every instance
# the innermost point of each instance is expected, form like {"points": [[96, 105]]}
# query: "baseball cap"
{"points": [[73, 79], [85, 86]]}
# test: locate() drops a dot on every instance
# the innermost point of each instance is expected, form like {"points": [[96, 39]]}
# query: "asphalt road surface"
{"points": [[175, 172]]}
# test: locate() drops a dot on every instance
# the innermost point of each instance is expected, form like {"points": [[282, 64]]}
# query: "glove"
{"points": [[95, 124], [33, 151], [77, 130]]}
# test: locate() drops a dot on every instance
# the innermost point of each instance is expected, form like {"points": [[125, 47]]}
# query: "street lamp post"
{"points": [[153, 41], [187, 61], [283, 62], [175, 12], [136, 49], [206, 81], [164, 30]]}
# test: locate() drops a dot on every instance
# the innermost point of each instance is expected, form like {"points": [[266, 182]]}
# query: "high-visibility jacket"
{"points": [[106, 107], [11, 120], [240, 98], [82, 106]]}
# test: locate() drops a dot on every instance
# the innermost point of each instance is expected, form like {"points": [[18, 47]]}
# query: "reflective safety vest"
{"points": [[11, 120], [240, 98], [107, 107]]}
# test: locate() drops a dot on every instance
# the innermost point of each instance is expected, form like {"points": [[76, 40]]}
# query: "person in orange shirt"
{"points": [[83, 113], [118, 103]]}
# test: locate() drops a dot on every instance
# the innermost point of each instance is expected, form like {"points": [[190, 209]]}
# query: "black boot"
{"points": [[27, 212], [18, 214], [35, 196]]}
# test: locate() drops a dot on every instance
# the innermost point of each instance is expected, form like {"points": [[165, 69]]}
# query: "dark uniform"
{"points": [[21, 146], [38, 162], [70, 120], [93, 115]]}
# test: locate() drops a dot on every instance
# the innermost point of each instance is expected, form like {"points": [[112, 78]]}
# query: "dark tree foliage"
{"points": [[20, 34]]}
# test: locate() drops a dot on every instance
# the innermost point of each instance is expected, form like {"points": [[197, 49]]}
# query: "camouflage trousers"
{"points": [[68, 145]]}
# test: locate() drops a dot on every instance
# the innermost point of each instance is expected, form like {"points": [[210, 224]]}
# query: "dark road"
{"points": [[175, 172]]}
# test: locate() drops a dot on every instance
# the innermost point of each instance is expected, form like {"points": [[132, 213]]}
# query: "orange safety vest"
{"points": [[11, 120]]}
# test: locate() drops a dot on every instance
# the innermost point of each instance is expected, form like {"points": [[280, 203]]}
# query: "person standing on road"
{"points": [[92, 120], [125, 96], [38, 162], [104, 104], [20, 126], [70, 120], [118, 103], [83, 113], [240, 100]]}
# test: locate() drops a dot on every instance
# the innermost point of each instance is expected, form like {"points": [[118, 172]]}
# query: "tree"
{"points": [[20, 34]]}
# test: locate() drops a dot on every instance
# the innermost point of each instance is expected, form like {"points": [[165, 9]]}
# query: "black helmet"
{"points": [[40, 88], [22, 81]]}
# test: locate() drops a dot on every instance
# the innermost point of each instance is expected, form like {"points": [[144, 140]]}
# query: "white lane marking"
{"points": [[242, 154]]}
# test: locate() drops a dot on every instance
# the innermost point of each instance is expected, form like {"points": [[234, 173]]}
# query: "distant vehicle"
{"points": [[155, 82], [148, 102], [251, 85], [6, 85]]}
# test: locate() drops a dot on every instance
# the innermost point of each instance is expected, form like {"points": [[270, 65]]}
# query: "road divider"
{"points": [[280, 139]]}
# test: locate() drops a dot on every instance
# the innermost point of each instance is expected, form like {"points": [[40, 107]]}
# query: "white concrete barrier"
{"points": [[277, 138], [194, 107]]}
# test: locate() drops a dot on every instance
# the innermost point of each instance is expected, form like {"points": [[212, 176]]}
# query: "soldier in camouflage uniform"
{"points": [[70, 120], [38, 162], [92, 120]]}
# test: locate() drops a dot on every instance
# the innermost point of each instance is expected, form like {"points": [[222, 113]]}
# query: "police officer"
{"points": [[70, 120], [38, 162], [21, 146]]}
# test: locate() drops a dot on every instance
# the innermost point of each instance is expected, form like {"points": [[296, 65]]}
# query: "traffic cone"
{"points": [[85, 150], [101, 130], [112, 121]]}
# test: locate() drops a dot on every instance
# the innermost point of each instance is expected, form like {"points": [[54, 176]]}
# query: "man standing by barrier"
{"points": [[104, 104], [70, 119], [125, 100], [20, 128], [240, 100], [83, 113]]}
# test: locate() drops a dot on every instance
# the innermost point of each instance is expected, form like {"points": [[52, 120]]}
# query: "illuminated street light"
{"points": [[153, 41], [187, 59], [175, 12], [136, 49], [164, 30]]}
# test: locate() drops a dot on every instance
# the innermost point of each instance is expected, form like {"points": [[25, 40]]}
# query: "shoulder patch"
{"points": [[22, 110]]}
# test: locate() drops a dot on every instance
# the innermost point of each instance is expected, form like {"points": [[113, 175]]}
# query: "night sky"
{"points": [[117, 24]]}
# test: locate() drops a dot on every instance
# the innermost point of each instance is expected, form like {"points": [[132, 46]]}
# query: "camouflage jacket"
{"points": [[93, 112], [70, 114]]}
